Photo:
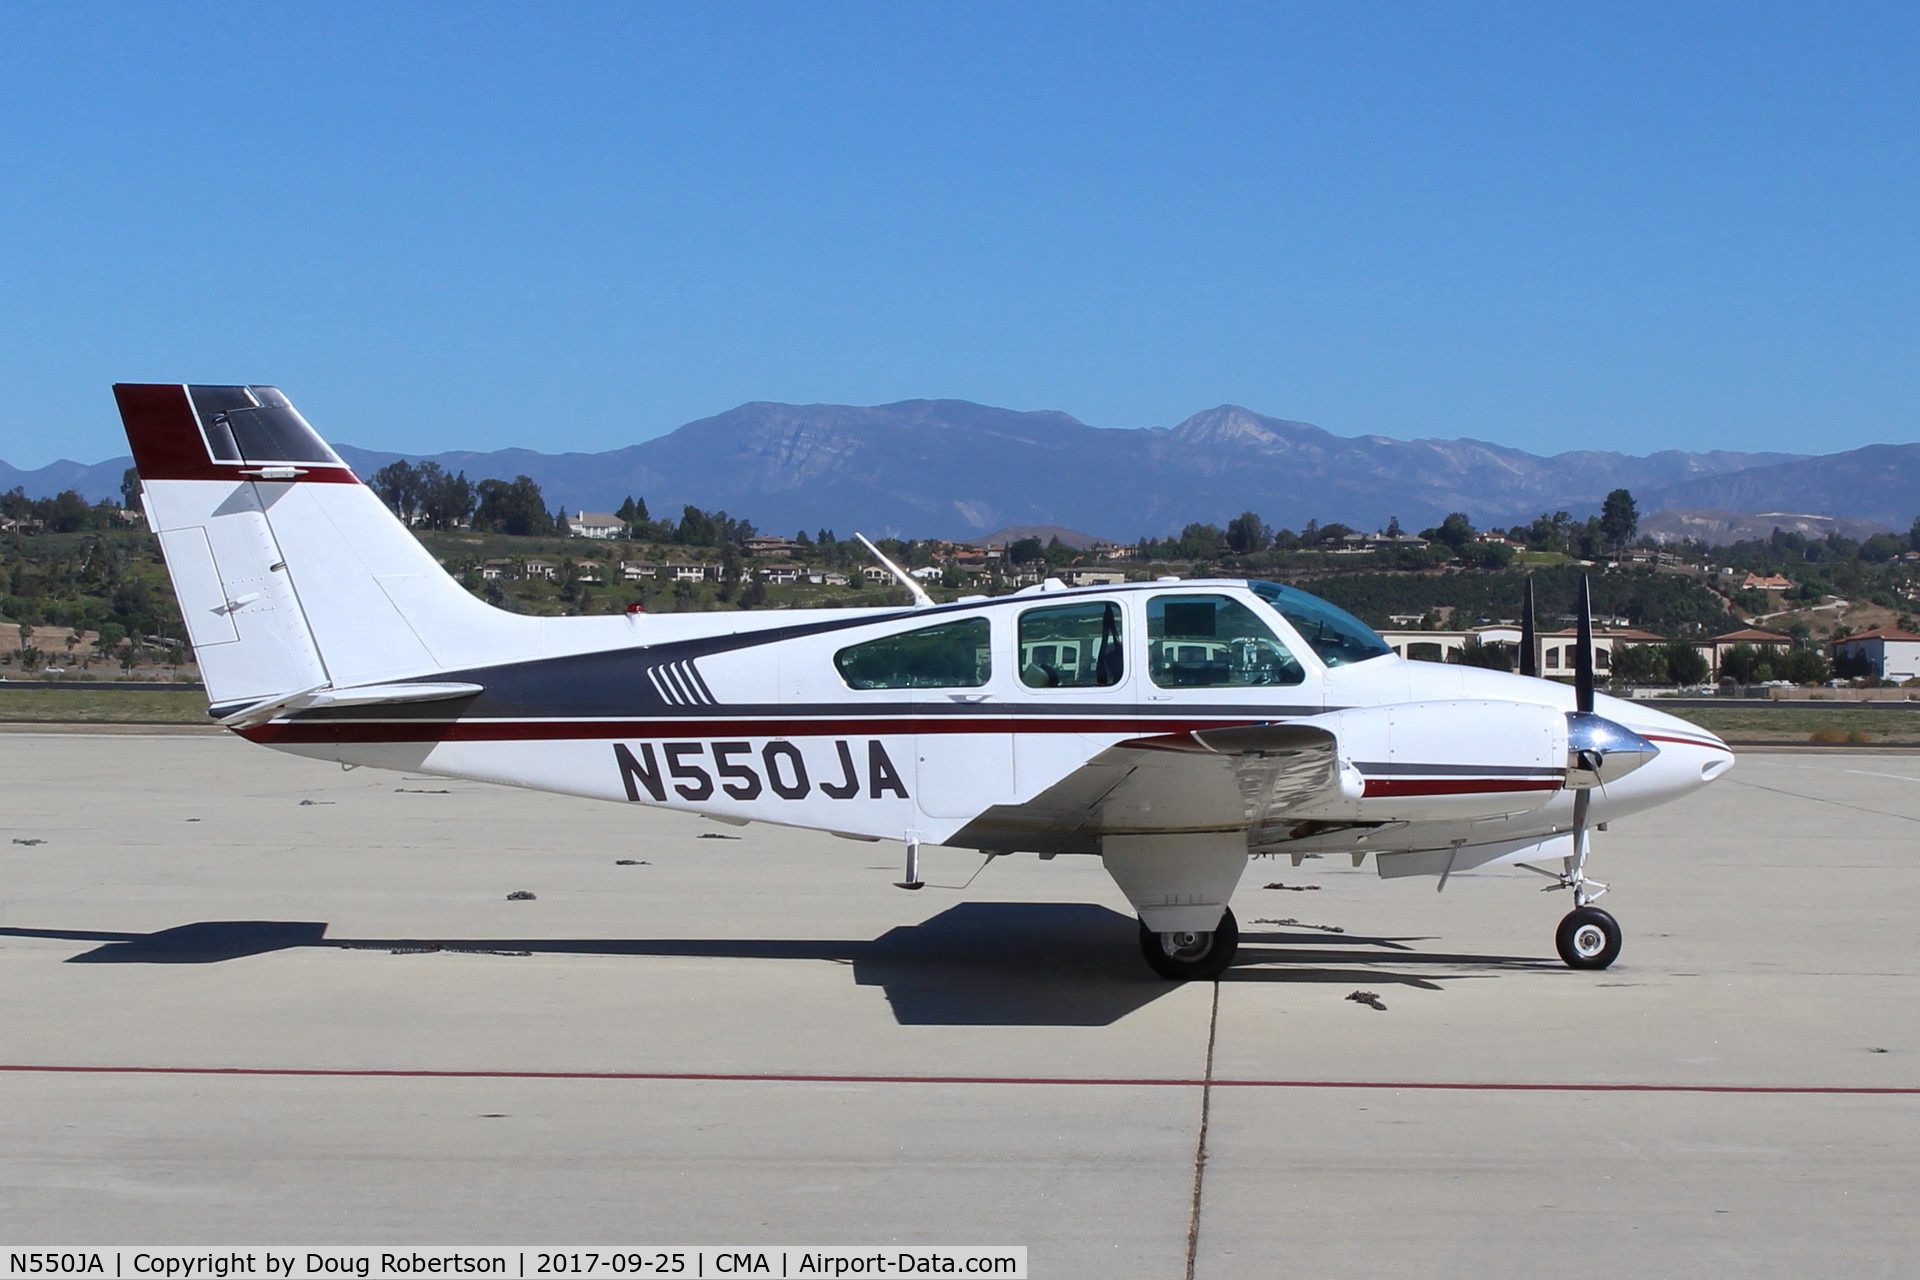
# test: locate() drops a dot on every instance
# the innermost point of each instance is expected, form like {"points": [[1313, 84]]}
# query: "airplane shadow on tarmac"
{"points": [[975, 964]]}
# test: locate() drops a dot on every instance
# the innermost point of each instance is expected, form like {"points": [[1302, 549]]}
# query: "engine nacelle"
{"points": [[1423, 761]]}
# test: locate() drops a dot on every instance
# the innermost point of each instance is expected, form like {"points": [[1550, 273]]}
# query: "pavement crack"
{"points": [[1838, 804], [1200, 1146]]}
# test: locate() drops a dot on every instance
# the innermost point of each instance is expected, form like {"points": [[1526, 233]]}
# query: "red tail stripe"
{"points": [[167, 444]]}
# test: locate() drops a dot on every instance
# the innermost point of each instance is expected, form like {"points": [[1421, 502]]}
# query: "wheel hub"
{"points": [[1186, 946]]}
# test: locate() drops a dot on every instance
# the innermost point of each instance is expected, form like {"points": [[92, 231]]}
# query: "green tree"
{"points": [[1881, 547], [1805, 666], [697, 528], [1026, 551], [1495, 656], [130, 491], [1247, 534], [1198, 542], [448, 500], [512, 507], [398, 485], [1640, 664], [1619, 519], [1487, 555], [1456, 531], [1685, 664], [1743, 664]]}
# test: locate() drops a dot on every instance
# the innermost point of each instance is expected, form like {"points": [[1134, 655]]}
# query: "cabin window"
{"points": [[953, 655], [1214, 641], [1071, 646]]}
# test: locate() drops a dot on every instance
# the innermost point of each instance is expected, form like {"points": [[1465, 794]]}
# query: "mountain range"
{"points": [[952, 468]]}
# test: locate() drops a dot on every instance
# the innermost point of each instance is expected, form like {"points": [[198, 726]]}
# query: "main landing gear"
{"points": [[1190, 956], [1180, 884]]}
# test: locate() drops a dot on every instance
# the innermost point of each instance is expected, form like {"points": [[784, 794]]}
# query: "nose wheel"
{"points": [[1192, 956], [1588, 938]]}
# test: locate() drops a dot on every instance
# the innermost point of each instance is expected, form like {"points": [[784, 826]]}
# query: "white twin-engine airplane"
{"points": [[1170, 729]]}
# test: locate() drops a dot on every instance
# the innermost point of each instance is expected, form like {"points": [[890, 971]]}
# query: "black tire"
{"points": [[1588, 938], [1201, 957]]}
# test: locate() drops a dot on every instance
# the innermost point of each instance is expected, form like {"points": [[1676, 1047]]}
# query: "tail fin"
{"points": [[291, 574]]}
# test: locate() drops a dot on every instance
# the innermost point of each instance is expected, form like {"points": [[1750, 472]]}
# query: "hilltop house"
{"points": [[1772, 582], [593, 524]]}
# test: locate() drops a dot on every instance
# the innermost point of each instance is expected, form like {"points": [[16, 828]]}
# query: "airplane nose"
{"points": [[1721, 759]]}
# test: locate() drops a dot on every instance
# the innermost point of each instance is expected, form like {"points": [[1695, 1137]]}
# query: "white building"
{"points": [[594, 524], [1894, 654], [1559, 650]]}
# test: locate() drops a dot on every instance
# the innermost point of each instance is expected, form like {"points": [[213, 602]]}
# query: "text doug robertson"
{"points": [[218, 1266]]}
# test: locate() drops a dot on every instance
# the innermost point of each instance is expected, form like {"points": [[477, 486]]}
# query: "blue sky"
{"points": [[1554, 226]]}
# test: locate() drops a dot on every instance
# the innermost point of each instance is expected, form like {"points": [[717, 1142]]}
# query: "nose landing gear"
{"points": [[1588, 938]]}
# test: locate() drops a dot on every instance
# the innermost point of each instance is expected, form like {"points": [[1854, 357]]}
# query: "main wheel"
{"points": [[1588, 938], [1192, 957]]}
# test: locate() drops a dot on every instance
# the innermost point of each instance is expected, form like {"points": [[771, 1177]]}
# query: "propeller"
{"points": [[1583, 660], [1599, 750], [1529, 637]]}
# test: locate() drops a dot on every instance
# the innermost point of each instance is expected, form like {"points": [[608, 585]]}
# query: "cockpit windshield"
{"points": [[1333, 633]]}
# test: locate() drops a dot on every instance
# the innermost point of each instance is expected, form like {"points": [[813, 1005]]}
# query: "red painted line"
{"points": [[1687, 742], [1468, 1086]]}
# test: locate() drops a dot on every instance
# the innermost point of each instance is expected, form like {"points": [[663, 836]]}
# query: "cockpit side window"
{"points": [[1214, 641], [1333, 633], [1071, 646], [952, 655]]}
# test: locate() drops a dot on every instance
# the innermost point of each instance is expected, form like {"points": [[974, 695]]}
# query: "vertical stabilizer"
{"points": [[291, 574]]}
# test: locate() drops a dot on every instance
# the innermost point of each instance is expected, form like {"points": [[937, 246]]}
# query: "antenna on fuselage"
{"points": [[921, 600]]}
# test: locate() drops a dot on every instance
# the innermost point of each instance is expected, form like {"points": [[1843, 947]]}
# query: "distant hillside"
{"points": [[1725, 527], [951, 468], [1045, 532], [1880, 483]]}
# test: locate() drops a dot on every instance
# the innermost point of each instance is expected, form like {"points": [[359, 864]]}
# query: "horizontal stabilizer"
{"points": [[365, 695]]}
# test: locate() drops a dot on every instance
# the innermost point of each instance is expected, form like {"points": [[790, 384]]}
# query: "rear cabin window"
{"points": [[1071, 646], [1214, 641], [953, 655]]}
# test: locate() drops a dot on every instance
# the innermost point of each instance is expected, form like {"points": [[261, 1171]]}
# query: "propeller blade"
{"points": [[1529, 645], [1583, 657]]}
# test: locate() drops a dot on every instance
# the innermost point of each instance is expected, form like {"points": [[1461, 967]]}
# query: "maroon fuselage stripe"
{"points": [[345, 731], [357, 732], [782, 1077], [1688, 742]]}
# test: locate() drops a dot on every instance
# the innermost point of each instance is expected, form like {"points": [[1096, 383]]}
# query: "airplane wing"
{"points": [[1372, 765]]}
